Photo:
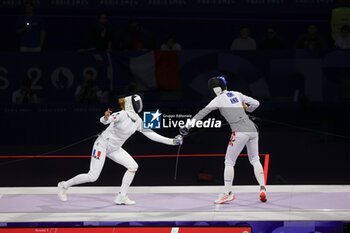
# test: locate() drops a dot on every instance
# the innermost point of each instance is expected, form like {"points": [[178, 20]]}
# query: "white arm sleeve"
{"points": [[104, 121], [113, 117], [213, 105], [157, 138], [253, 103]]}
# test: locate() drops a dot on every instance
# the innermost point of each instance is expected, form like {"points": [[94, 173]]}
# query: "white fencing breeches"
{"points": [[234, 148], [98, 157], [237, 143]]}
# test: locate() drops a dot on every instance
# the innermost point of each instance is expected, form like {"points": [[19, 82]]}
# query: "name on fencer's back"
{"points": [[209, 123]]}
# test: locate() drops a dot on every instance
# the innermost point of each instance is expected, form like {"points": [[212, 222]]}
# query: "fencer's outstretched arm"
{"points": [[252, 103], [157, 138], [213, 105]]}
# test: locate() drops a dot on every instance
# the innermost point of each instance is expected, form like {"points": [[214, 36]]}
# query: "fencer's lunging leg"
{"points": [[98, 158], [81, 179]]}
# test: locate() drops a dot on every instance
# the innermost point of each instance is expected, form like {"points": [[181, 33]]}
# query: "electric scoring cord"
{"points": [[300, 127], [51, 152], [179, 149], [177, 160]]}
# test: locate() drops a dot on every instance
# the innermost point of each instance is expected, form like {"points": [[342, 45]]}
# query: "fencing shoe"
{"points": [[263, 197], [61, 191], [123, 200], [223, 198]]}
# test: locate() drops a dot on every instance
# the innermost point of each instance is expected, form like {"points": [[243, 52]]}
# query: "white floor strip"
{"points": [[177, 216], [218, 214], [178, 189]]}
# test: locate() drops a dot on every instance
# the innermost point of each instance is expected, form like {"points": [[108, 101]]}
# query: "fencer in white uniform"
{"points": [[109, 144], [232, 106]]}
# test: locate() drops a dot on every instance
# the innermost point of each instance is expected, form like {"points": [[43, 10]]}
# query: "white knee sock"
{"points": [[127, 179], [80, 179], [228, 178], [259, 173]]}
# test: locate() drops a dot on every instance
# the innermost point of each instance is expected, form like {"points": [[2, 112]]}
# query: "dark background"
{"points": [[307, 138]]}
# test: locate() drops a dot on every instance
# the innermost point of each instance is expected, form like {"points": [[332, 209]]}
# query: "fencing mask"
{"points": [[133, 106], [217, 85]]}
